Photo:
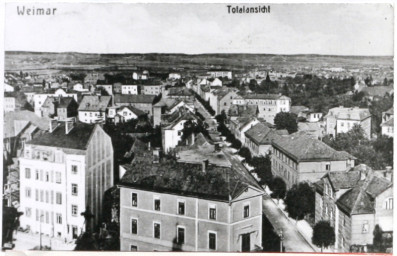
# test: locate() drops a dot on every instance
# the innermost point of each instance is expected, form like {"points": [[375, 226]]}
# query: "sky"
{"points": [[331, 29]]}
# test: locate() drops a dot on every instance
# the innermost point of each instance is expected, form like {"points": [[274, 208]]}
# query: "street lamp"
{"points": [[281, 236]]}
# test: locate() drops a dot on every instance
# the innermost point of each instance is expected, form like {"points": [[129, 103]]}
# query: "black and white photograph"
{"points": [[198, 127]]}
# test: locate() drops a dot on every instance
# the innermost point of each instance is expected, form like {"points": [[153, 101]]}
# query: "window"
{"points": [[134, 200], [212, 240], [156, 231], [181, 208], [365, 227], [37, 195], [74, 169], [157, 204], [28, 192], [27, 173], [37, 215], [59, 218], [74, 210], [58, 177], [37, 175], [212, 212], [344, 220], [133, 248], [58, 199], [180, 235], [389, 203], [74, 190], [134, 226], [41, 196], [246, 211], [47, 197], [327, 167], [28, 212], [47, 176]]}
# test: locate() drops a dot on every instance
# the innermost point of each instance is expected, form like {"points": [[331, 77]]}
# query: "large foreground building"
{"points": [[168, 205], [62, 173]]}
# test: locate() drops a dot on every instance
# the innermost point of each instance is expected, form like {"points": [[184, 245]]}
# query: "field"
{"points": [[54, 62]]}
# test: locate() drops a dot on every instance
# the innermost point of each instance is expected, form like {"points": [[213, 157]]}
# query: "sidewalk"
{"points": [[26, 241]]}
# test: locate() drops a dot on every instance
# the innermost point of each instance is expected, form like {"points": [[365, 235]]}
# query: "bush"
{"points": [[323, 235], [279, 188], [246, 153]]}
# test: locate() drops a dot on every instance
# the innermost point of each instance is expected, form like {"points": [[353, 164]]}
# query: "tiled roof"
{"points": [[131, 98], [94, 103], [349, 113], [179, 91], [305, 148], [263, 135], [356, 201], [186, 179], [136, 111], [182, 116], [77, 138]]}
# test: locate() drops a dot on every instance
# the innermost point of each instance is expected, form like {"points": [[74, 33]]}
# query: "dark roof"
{"points": [[344, 180], [389, 122], [77, 138], [305, 148], [25, 116], [136, 111], [186, 179], [179, 91], [243, 110], [356, 201], [263, 135], [131, 98], [94, 103]]}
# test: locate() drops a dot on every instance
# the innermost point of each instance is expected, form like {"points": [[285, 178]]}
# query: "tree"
{"points": [[284, 120], [323, 235], [262, 167], [378, 239], [279, 188], [246, 153], [299, 201]]}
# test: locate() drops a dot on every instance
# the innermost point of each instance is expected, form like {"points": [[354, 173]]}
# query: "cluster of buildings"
{"points": [[190, 194]]}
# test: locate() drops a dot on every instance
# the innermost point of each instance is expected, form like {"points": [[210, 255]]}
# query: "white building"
{"points": [[341, 120], [8, 88], [9, 104], [62, 172], [172, 134], [388, 123], [39, 98], [174, 76], [92, 109], [129, 89], [227, 74]]}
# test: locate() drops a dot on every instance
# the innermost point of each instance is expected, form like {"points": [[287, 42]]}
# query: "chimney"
{"points": [[204, 165], [69, 124], [53, 125]]}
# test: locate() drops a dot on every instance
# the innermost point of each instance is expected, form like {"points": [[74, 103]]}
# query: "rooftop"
{"points": [[261, 134], [95, 103], [305, 148], [10, 127], [77, 138], [266, 96], [131, 98], [349, 113]]}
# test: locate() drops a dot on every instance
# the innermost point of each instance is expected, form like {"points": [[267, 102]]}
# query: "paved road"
{"points": [[293, 239]]}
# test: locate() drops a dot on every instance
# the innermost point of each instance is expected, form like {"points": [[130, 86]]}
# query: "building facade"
{"points": [[63, 173], [269, 105]]}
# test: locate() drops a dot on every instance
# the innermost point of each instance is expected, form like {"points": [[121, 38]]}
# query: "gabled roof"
{"points": [[305, 148], [131, 98], [133, 109], [182, 116], [389, 122], [94, 103], [390, 111], [77, 138]]}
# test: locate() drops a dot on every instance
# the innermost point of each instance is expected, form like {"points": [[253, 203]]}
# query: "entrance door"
{"points": [[245, 243], [74, 232]]}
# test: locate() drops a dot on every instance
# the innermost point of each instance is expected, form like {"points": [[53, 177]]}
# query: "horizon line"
{"points": [[175, 53]]}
